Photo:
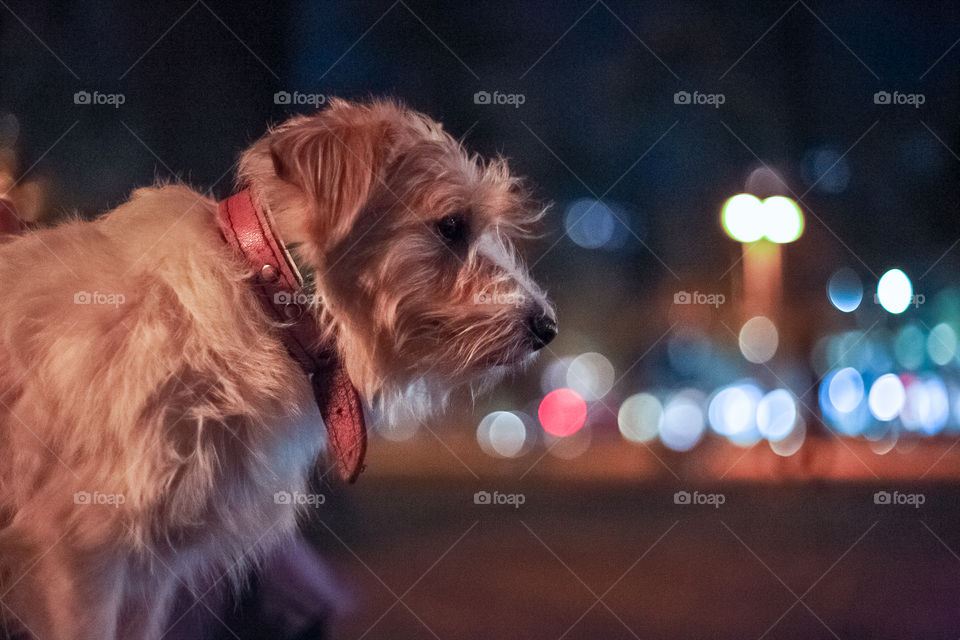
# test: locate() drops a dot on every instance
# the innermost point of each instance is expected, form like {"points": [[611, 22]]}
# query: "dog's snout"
{"points": [[543, 329]]}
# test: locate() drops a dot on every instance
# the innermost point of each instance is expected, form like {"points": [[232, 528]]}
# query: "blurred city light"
{"points": [[758, 339], [909, 347], [791, 443], [886, 397], [783, 219], [502, 433], [746, 218], [732, 410], [683, 424], [942, 344], [591, 375], [845, 389], [826, 170], [776, 414], [845, 290], [639, 417], [562, 412], [894, 291], [592, 224], [742, 218]]}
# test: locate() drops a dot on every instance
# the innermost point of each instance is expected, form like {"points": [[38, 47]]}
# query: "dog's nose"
{"points": [[543, 329]]}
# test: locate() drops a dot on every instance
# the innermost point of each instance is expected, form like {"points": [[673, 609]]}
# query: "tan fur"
{"points": [[181, 399]]}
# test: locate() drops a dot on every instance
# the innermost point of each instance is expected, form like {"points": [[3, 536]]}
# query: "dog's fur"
{"points": [[181, 399]]}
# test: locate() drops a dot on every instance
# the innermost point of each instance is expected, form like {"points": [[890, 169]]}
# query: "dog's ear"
{"points": [[335, 158]]}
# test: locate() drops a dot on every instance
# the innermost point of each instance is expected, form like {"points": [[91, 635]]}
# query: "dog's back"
{"points": [[141, 396]]}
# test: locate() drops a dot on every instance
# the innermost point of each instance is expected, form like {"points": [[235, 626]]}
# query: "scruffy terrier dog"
{"points": [[150, 411]]}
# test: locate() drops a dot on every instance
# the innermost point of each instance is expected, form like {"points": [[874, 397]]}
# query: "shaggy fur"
{"points": [[165, 396]]}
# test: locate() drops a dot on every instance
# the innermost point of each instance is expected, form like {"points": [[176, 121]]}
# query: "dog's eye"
{"points": [[453, 229]]}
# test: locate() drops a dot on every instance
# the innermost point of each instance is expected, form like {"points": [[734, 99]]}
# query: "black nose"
{"points": [[543, 329]]}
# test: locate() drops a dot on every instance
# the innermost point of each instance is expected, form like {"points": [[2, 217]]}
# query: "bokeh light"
{"points": [[742, 218], [909, 347], [592, 224], [886, 398], [502, 433], [732, 410], [591, 375], [639, 417], [927, 406], [776, 414], [783, 219], [683, 422], [894, 291], [845, 389], [758, 339], [942, 344], [791, 443], [826, 170], [845, 290], [562, 412]]}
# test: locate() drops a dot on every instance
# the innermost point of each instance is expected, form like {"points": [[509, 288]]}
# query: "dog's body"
{"points": [[149, 411]]}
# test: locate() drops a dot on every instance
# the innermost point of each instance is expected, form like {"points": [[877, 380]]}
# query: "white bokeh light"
{"points": [[894, 291], [502, 433], [639, 417], [758, 339], [776, 414], [591, 375], [683, 422], [886, 397]]}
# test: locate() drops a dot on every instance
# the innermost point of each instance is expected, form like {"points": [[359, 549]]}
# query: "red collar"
{"points": [[246, 227]]}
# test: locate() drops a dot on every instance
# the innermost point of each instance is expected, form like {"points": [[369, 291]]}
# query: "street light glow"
{"points": [[746, 218]]}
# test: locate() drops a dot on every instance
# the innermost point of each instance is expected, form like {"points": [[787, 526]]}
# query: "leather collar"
{"points": [[246, 226]]}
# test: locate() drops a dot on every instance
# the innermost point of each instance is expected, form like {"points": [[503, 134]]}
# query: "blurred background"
{"points": [[747, 425]]}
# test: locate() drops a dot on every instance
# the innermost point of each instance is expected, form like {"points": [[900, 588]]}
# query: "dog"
{"points": [[151, 410]]}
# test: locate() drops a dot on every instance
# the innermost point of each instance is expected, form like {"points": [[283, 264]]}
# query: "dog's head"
{"points": [[411, 241]]}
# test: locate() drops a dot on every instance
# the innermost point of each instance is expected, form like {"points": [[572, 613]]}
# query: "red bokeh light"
{"points": [[562, 412]]}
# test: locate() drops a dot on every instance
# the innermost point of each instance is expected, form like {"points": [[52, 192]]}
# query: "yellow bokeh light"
{"points": [[743, 218], [746, 218]]}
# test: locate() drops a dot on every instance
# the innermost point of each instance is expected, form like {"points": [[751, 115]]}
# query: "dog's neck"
{"points": [[247, 226]]}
